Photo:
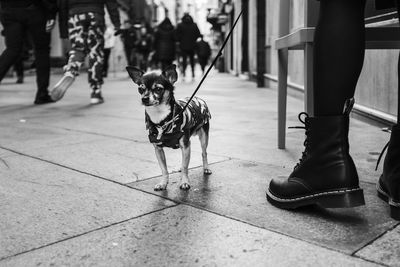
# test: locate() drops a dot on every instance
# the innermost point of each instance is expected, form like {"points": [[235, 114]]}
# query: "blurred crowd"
{"points": [[27, 26]]}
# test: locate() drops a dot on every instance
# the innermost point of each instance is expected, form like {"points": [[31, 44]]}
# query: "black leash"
{"points": [[208, 70]]}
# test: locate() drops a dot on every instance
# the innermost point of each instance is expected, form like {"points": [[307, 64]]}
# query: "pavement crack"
{"points": [[373, 240], [88, 232], [5, 163]]}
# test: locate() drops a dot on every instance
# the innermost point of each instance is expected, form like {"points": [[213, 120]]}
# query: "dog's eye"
{"points": [[158, 88], [141, 88]]}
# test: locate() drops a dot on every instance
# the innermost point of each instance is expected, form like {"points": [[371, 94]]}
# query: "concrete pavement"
{"points": [[76, 186]]}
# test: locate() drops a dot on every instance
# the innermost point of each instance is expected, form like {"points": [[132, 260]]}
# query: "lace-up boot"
{"points": [[326, 174], [389, 183]]}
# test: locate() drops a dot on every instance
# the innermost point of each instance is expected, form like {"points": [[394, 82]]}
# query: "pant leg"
{"points": [[36, 21], [77, 31], [95, 44], [202, 62], [107, 52], [19, 68], [184, 61], [191, 57], [14, 32], [339, 44]]}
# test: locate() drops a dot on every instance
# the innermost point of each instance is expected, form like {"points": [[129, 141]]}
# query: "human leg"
{"points": [[14, 31], [191, 58], [19, 70], [95, 43], [326, 174], [339, 44], [107, 52], [184, 62], [41, 41], [203, 63], [77, 30], [388, 186]]}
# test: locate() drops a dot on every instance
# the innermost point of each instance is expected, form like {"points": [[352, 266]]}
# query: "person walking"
{"points": [[326, 174], [36, 17], [83, 22], [164, 43], [203, 52], [187, 34]]}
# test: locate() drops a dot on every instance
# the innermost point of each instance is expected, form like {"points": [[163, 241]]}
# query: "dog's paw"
{"points": [[207, 171], [184, 186], [160, 187]]}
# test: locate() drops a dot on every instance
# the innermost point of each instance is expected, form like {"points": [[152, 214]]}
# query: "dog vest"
{"points": [[192, 119]]}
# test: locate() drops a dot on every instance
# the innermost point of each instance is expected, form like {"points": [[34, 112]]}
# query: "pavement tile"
{"points": [[183, 236], [385, 250], [42, 203], [237, 189], [118, 160], [25, 136]]}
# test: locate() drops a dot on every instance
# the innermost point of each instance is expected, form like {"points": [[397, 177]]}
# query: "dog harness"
{"points": [[192, 119]]}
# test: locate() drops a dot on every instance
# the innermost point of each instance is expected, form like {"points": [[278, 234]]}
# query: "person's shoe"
{"points": [[45, 99], [20, 79], [96, 97], [326, 174], [388, 186], [61, 87]]}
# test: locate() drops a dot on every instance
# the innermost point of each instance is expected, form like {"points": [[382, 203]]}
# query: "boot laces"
{"points": [[303, 119], [383, 150]]}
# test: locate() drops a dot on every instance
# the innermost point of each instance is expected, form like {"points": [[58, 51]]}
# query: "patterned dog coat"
{"points": [[192, 119]]}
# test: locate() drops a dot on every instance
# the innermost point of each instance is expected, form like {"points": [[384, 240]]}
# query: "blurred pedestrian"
{"points": [[109, 42], [35, 17], [164, 43], [128, 36], [203, 52], [187, 33], [83, 22], [143, 48]]}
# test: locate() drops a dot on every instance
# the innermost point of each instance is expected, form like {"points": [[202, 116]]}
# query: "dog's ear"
{"points": [[135, 73], [170, 73]]}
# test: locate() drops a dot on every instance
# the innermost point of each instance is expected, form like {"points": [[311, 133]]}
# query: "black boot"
{"points": [[326, 174], [389, 183]]}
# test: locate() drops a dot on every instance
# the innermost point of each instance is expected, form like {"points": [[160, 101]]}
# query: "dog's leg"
{"points": [[162, 185], [185, 147], [203, 137]]}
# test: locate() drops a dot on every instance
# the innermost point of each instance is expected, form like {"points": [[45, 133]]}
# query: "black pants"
{"points": [[107, 52], [203, 62], [16, 22], [185, 54], [339, 44], [130, 55]]}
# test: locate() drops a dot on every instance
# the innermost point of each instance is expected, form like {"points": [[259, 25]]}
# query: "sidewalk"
{"points": [[76, 186]]}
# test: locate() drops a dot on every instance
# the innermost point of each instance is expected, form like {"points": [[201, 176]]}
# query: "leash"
{"points": [[208, 70]]}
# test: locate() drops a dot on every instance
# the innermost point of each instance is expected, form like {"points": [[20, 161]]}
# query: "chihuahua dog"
{"points": [[166, 128]]}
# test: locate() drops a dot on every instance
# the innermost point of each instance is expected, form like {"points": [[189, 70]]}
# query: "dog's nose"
{"points": [[145, 100]]}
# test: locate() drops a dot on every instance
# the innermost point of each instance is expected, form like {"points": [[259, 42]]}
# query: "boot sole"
{"points": [[346, 198], [61, 87], [394, 206]]}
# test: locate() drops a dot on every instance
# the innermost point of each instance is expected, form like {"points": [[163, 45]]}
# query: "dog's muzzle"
{"points": [[146, 101]]}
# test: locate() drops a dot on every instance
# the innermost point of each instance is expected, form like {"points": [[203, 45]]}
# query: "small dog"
{"points": [[165, 128]]}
